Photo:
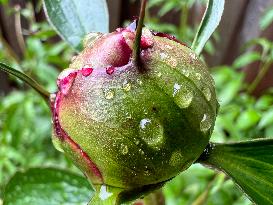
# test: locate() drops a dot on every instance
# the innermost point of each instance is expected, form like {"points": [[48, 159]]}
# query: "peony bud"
{"points": [[130, 126]]}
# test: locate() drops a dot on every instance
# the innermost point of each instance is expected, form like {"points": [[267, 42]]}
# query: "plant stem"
{"points": [[136, 48], [32, 83], [263, 70]]}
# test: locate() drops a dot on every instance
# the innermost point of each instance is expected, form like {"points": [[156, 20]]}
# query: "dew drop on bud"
{"points": [[163, 56], [184, 97], [176, 88], [109, 94], [176, 159], [198, 76], [104, 194], [110, 70], [207, 93], [126, 86], [186, 72], [123, 149], [151, 132], [86, 71], [66, 79], [205, 123]]}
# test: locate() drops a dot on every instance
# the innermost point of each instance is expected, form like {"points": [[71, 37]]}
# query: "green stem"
{"points": [[32, 83], [264, 68], [136, 48], [183, 21]]}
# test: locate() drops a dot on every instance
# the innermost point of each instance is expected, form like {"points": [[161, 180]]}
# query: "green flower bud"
{"points": [[130, 126]]}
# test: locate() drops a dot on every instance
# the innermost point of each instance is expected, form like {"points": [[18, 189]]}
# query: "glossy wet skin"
{"points": [[127, 128]]}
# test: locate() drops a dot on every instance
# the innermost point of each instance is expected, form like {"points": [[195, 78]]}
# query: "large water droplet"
{"points": [[152, 132], [176, 159], [207, 93], [176, 88], [205, 123], [104, 194], [183, 97], [123, 149]]}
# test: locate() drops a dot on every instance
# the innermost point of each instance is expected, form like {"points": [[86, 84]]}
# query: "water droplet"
{"points": [[124, 149], [176, 159], [198, 76], [144, 122], [207, 93], [109, 94], [193, 56], [172, 61], [186, 72], [183, 97], [110, 70], [136, 141], [141, 151], [104, 194], [163, 56], [151, 132], [139, 82], [126, 86], [205, 123], [176, 88], [86, 71]]}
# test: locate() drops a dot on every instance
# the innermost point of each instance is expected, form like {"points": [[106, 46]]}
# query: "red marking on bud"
{"points": [[62, 135], [64, 83], [146, 42], [86, 71], [168, 36], [110, 70]]}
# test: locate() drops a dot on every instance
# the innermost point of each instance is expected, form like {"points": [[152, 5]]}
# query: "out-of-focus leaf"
{"points": [[249, 164], [248, 119], [267, 119], [266, 19], [246, 59], [45, 186], [73, 19], [209, 23]]}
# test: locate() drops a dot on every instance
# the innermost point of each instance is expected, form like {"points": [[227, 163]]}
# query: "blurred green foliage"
{"points": [[25, 128]]}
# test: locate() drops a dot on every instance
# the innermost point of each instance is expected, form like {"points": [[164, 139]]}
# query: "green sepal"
{"points": [[249, 164]]}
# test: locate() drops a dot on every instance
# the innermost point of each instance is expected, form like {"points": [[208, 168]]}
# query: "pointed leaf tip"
{"points": [[209, 23]]}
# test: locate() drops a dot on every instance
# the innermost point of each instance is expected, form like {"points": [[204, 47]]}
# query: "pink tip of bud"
{"points": [[66, 79]]}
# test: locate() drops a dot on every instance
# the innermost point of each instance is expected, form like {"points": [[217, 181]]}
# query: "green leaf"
{"points": [[267, 119], [248, 119], [266, 19], [249, 164], [45, 186], [210, 21], [73, 19], [246, 59]]}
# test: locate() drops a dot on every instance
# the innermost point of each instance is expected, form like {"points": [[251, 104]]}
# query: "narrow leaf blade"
{"points": [[249, 164], [47, 186], [209, 23], [73, 19]]}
